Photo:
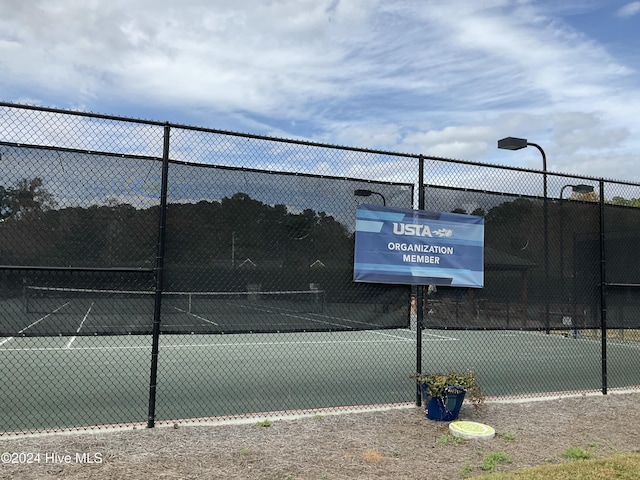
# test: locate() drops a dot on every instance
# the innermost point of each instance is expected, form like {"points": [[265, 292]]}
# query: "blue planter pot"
{"points": [[445, 408]]}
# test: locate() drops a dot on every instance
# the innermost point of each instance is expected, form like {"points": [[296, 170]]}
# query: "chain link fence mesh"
{"points": [[152, 272]]}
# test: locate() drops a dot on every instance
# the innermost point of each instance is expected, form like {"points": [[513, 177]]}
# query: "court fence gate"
{"points": [[159, 273]]}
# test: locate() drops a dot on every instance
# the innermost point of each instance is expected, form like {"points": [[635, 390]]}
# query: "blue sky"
{"points": [[446, 78]]}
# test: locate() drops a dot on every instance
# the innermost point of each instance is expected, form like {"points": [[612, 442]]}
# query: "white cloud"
{"points": [[575, 130], [216, 54], [277, 58], [465, 142], [629, 10], [365, 135], [421, 76]]}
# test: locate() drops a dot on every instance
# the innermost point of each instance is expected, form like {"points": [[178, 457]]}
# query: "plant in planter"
{"points": [[443, 394]]}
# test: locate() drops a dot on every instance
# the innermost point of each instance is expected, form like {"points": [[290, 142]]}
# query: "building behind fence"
{"points": [[133, 253]]}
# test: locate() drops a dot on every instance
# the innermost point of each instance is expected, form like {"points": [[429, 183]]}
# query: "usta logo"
{"points": [[418, 230]]}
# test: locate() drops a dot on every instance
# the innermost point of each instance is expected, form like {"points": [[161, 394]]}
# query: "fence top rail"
{"points": [[44, 268], [306, 142], [194, 164], [505, 194]]}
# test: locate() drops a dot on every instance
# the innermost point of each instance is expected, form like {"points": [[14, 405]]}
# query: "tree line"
{"points": [[235, 231], [243, 232]]}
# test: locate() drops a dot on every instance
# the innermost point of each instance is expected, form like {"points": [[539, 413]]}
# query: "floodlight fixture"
{"points": [[582, 188], [512, 143], [368, 193]]}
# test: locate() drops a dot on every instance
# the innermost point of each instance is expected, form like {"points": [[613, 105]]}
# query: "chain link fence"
{"points": [[152, 272]]}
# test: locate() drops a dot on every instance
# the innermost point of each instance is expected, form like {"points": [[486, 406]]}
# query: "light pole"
{"points": [[368, 193], [513, 143], [576, 189]]}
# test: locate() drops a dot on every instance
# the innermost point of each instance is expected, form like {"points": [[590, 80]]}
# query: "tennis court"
{"points": [[259, 311], [71, 381]]}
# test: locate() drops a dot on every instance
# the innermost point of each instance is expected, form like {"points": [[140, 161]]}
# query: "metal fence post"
{"points": [[419, 290], [603, 291], [162, 224]]}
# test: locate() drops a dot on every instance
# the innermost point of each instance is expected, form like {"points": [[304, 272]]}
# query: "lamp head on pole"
{"points": [[582, 188], [362, 193], [368, 193], [512, 143]]}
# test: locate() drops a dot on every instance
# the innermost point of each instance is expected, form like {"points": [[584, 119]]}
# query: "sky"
{"points": [[443, 78]]}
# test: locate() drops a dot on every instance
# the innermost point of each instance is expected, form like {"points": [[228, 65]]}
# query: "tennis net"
{"points": [[53, 300], [66, 311]]}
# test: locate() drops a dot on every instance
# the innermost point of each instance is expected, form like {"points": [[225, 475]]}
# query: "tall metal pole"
{"points": [[420, 290], [603, 292], [162, 224], [545, 232], [562, 241], [513, 143]]}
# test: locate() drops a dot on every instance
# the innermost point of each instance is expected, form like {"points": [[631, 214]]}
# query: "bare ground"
{"points": [[398, 443]]}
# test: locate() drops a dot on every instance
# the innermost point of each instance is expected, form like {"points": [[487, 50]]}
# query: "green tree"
{"points": [[625, 202], [25, 197]]}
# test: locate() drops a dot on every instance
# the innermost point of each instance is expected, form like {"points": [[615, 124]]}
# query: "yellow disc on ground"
{"points": [[471, 430]]}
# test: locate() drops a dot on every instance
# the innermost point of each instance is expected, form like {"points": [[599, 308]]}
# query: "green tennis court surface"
{"points": [[57, 382]]}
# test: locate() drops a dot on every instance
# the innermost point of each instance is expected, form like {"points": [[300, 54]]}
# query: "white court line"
{"points": [[40, 319], [195, 345], [303, 317], [215, 345], [342, 325], [263, 344], [306, 317], [436, 338], [336, 318], [196, 316], [86, 315], [442, 337], [352, 321], [377, 332], [60, 349], [314, 320], [392, 339], [384, 334], [34, 323]]}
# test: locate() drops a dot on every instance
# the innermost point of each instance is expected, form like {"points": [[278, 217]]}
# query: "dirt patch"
{"points": [[395, 443]]}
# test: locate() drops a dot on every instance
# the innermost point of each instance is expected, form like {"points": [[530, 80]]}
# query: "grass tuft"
{"points": [[491, 461], [576, 453], [450, 440]]}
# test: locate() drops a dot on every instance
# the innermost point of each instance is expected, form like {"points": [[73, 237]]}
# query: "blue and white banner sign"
{"points": [[399, 245]]}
